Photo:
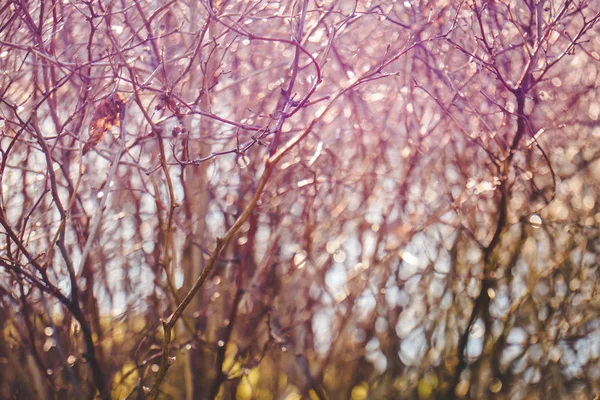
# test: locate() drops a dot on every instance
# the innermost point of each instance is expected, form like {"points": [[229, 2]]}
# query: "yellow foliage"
{"points": [[235, 371], [360, 391], [244, 390], [253, 376], [125, 381], [427, 385], [424, 389], [293, 394]]}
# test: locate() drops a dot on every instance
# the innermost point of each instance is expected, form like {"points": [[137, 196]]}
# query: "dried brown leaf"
{"points": [[107, 115]]}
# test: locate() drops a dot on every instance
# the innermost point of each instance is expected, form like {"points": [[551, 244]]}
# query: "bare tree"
{"points": [[303, 199]]}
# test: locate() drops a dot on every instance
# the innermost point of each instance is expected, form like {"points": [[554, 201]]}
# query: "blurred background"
{"points": [[415, 186]]}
